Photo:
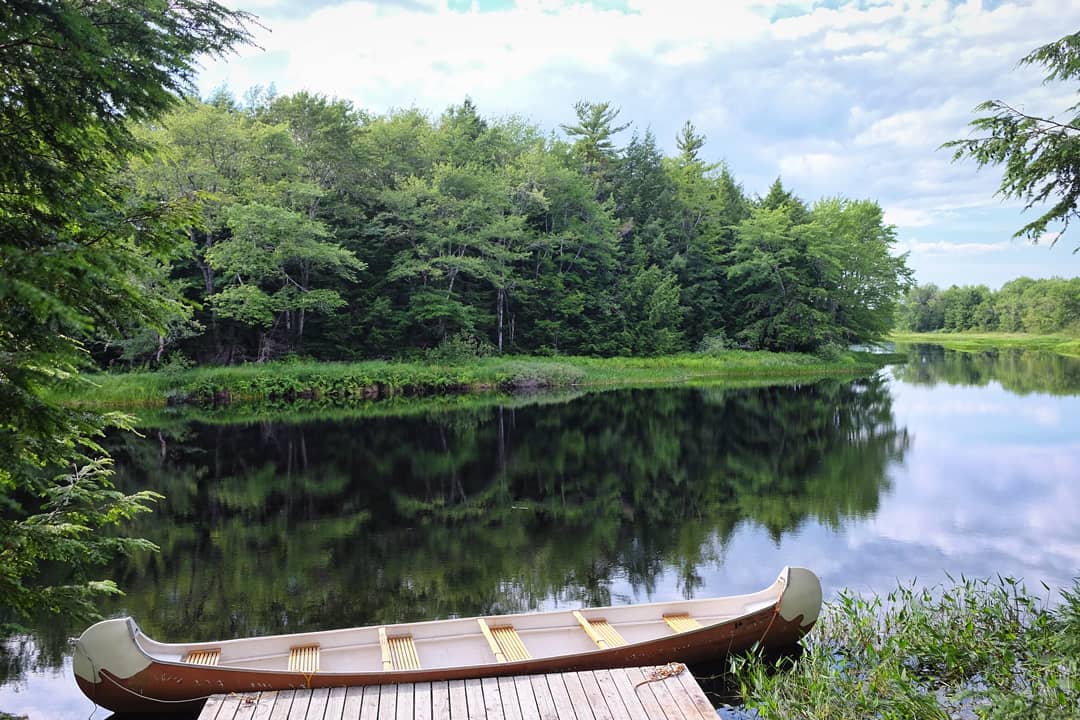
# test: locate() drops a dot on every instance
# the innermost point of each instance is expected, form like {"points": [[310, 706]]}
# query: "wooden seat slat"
{"points": [[609, 633], [304, 658], [504, 642], [403, 652], [600, 631], [681, 622], [203, 657]]}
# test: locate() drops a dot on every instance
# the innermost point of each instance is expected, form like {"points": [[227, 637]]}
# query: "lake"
{"points": [[951, 464]]}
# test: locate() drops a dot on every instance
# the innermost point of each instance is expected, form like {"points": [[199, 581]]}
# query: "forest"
{"points": [[1023, 305], [327, 232]]}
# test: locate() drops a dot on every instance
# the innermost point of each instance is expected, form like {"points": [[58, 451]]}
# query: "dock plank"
{"points": [[335, 704], [630, 700], [299, 708], [282, 705], [320, 698], [509, 698], [249, 703], [594, 696], [526, 698], [617, 694], [663, 696], [369, 708], [212, 707], [264, 705], [615, 701], [354, 703], [689, 709], [440, 700], [561, 697], [459, 704], [493, 703], [406, 697], [387, 702], [422, 701], [474, 696], [544, 702], [578, 699], [697, 695]]}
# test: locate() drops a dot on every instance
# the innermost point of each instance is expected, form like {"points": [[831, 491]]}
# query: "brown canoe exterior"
{"points": [[165, 687]]}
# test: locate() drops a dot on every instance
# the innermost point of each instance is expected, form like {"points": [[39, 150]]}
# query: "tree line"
{"points": [[1022, 305], [327, 231]]}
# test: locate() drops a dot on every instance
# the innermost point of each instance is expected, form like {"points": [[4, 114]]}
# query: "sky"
{"points": [[836, 98]]}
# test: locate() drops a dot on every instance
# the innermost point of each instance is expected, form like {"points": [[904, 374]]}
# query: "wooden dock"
{"points": [[646, 693]]}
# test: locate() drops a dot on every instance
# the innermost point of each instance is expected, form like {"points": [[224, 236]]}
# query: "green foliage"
{"points": [[82, 259], [1041, 155], [1042, 306], [972, 649], [715, 343], [345, 235], [461, 347]]}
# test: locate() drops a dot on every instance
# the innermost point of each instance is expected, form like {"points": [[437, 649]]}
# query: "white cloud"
{"points": [[908, 217], [942, 247]]}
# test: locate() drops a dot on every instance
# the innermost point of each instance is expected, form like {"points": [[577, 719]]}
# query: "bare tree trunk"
{"points": [[305, 278], [500, 298]]}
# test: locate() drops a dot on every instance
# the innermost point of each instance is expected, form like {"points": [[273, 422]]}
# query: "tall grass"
{"points": [[975, 649], [974, 342], [350, 382]]}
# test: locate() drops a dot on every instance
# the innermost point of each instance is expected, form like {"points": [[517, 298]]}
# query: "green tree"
{"points": [[594, 147], [270, 262], [459, 226], [776, 302], [1041, 155], [922, 309], [851, 250], [77, 259]]}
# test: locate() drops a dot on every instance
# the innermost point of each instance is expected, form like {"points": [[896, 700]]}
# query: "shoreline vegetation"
{"points": [[1060, 343], [334, 383], [969, 649]]}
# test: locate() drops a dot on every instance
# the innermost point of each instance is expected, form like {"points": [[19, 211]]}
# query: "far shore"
{"points": [[376, 379], [974, 342]]}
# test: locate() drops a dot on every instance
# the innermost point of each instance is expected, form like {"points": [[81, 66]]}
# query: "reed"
{"points": [[345, 383], [974, 649]]}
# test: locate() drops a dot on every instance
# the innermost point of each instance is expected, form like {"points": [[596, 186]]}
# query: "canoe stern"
{"points": [[801, 597], [109, 645]]}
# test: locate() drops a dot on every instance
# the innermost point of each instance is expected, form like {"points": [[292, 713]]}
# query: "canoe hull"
{"points": [[171, 687], [140, 683]]}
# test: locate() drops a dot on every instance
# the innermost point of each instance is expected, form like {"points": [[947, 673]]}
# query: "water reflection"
{"points": [[953, 463], [1019, 371], [278, 527]]}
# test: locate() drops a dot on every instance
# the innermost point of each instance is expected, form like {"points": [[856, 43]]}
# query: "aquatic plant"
{"points": [[974, 649]]}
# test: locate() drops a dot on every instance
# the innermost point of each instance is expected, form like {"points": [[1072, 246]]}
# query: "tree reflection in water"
{"points": [[285, 527]]}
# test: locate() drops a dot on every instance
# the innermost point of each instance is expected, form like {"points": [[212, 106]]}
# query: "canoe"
{"points": [[120, 668]]}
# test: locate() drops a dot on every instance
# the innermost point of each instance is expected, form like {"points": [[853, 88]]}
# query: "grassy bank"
{"points": [[346, 382], [973, 342], [975, 649]]}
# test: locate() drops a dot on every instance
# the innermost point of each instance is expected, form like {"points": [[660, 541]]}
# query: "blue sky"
{"points": [[837, 98]]}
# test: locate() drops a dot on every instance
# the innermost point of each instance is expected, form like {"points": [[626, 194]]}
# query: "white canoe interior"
{"points": [[462, 642]]}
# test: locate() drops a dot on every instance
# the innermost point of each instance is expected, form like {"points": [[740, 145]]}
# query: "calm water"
{"points": [[961, 464]]}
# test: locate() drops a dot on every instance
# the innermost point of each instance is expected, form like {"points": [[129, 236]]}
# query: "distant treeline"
{"points": [[1022, 305], [325, 231]]}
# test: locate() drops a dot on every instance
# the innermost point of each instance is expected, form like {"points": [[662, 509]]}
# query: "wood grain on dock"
{"points": [[645, 693]]}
